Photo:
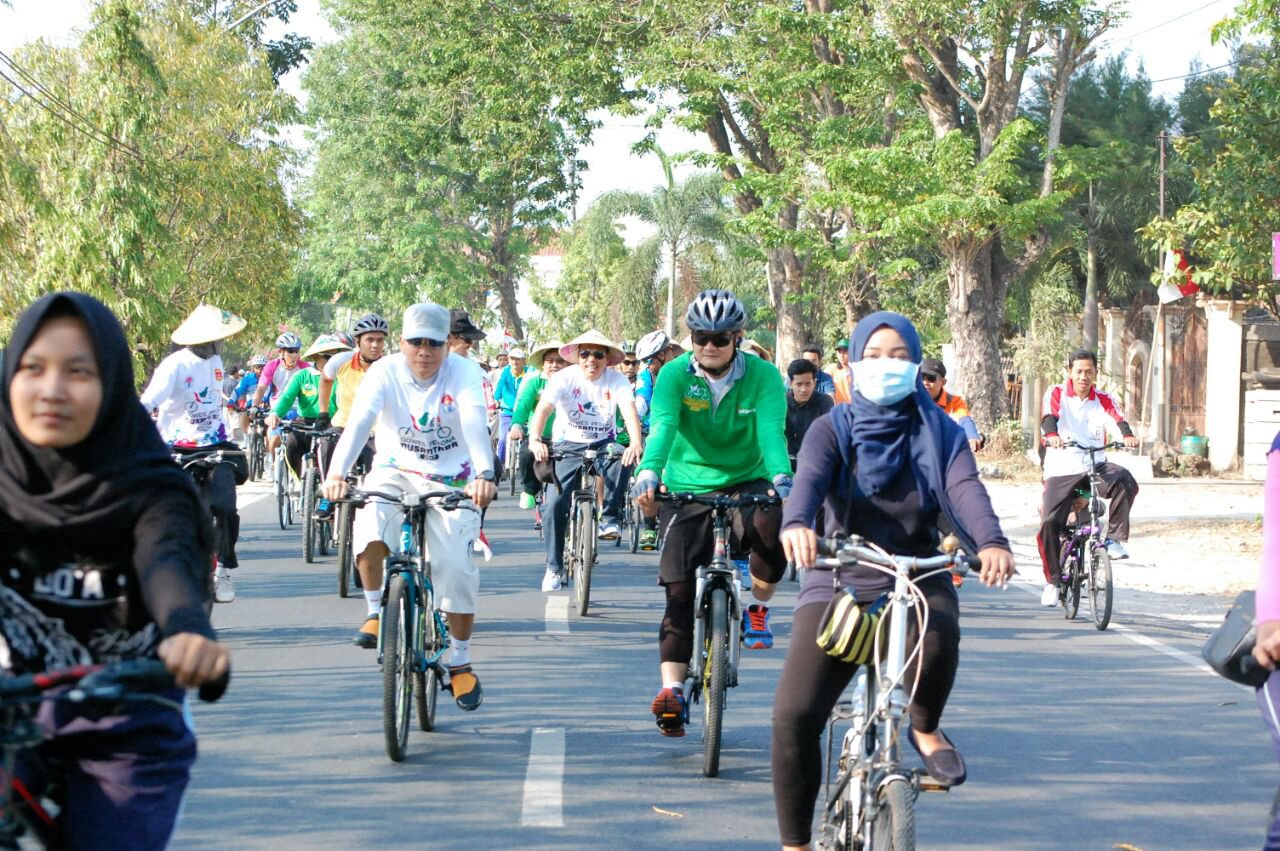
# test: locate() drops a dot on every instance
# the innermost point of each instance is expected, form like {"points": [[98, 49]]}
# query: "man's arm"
{"points": [[664, 423], [771, 425], [288, 397], [264, 381], [159, 388]]}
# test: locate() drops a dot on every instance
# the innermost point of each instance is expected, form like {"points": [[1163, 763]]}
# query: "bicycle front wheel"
{"points": [[426, 685], [586, 534], [633, 517], [1100, 588], [397, 665], [894, 828], [344, 516], [282, 500], [716, 678], [310, 525], [255, 455]]}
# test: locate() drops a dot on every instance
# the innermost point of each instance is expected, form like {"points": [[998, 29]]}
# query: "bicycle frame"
{"points": [[720, 572], [1094, 531]]}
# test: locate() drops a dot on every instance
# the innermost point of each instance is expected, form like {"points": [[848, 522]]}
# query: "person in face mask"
{"points": [[891, 466], [184, 394]]}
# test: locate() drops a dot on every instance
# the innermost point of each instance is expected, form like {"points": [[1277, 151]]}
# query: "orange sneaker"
{"points": [[671, 711]]}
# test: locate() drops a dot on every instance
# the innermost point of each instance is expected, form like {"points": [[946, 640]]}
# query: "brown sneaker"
{"points": [[465, 686], [367, 635]]}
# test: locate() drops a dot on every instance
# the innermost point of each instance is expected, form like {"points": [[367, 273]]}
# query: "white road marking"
{"points": [[557, 615], [544, 780], [251, 500]]}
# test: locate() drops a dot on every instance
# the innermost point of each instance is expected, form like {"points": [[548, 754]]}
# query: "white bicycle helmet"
{"points": [[369, 323], [258, 360], [715, 310], [653, 343], [288, 340]]}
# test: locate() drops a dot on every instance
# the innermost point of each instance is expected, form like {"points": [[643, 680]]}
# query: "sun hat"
{"points": [[757, 349], [425, 320], [569, 351], [326, 344], [539, 353], [207, 324]]}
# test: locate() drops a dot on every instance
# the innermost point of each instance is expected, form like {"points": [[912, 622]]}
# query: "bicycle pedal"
{"points": [[926, 783]]}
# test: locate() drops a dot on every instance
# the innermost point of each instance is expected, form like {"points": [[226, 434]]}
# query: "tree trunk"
{"points": [[975, 312], [671, 297], [785, 278]]}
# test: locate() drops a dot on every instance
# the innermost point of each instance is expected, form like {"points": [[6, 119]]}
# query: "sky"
{"points": [[1165, 36]]}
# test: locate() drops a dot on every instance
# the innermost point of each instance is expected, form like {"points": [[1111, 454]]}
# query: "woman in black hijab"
{"points": [[107, 556]]}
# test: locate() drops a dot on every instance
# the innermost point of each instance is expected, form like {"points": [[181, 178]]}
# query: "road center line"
{"points": [[557, 615], [544, 780]]}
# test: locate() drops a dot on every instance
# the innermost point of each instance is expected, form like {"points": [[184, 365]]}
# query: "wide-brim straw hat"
{"points": [[207, 324], [325, 345], [569, 351], [753, 346], [539, 353]]}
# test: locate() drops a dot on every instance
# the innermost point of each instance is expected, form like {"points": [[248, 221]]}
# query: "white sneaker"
{"points": [[1116, 550], [551, 580], [610, 532], [1049, 596], [224, 590]]}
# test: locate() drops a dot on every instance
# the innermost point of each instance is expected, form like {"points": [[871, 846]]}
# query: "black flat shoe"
{"points": [[945, 766]]}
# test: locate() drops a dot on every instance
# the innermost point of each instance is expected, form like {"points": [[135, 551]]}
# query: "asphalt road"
{"points": [[1073, 738]]}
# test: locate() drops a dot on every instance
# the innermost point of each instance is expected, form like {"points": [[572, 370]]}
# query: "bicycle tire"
{"points": [[282, 500], [1071, 602], [346, 560], [634, 517], [1100, 586], [513, 463], [715, 687], [586, 555], [309, 522], [397, 653], [894, 828], [426, 685], [255, 455]]}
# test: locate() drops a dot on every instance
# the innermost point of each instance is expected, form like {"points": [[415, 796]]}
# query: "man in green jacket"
{"points": [[304, 390], [717, 424]]}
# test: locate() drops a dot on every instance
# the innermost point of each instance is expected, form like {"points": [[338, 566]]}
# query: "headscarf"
{"points": [[98, 486], [877, 440]]}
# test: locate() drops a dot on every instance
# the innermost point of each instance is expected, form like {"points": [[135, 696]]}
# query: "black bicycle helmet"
{"points": [[715, 310], [369, 323]]}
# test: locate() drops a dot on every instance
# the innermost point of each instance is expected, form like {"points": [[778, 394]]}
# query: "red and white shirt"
{"points": [[1090, 420]]}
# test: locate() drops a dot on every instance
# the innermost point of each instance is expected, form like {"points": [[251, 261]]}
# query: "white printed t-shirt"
{"points": [[186, 390], [586, 410], [435, 429]]}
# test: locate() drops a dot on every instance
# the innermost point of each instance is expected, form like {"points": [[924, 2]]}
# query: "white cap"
{"points": [[425, 320], [516, 353]]}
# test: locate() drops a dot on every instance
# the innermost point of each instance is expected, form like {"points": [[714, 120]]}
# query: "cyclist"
{"points": [[840, 374], [276, 376], [1077, 410], [653, 350], [107, 557], [889, 466], [933, 373], [304, 393], [813, 352], [427, 409], [585, 398], [239, 399], [716, 426], [183, 393], [341, 378], [545, 358], [505, 392], [1266, 649]]}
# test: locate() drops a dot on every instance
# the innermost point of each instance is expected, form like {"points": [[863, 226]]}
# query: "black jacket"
{"points": [[800, 417]]}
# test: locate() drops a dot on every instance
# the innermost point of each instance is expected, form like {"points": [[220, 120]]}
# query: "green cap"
{"points": [[842, 344]]}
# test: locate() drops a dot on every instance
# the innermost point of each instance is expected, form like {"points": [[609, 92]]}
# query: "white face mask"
{"points": [[885, 381]]}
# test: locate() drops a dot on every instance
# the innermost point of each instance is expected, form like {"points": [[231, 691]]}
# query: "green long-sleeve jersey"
{"points": [[304, 388], [527, 401], [698, 446]]}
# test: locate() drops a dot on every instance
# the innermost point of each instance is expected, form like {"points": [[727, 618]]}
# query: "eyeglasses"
{"points": [[720, 339], [598, 354], [419, 342], [289, 351], [655, 359], [629, 362], [929, 377]]}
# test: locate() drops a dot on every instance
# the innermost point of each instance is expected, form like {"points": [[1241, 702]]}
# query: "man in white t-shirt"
{"points": [[185, 392], [585, 398], [426, 408]]}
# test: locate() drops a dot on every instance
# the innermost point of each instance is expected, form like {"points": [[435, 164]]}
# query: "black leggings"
{"points": [[675, 636], [812, 682]]}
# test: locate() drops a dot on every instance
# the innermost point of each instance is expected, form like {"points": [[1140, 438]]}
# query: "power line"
{"points": [[1166, 23], [1196, 73]]}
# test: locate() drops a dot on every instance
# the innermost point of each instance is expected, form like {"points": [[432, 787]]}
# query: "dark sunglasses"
{"points": [[658, 358], [290, 351], [629, 362], [929, 377], [419, 342], [720, 340], [598, 354]]}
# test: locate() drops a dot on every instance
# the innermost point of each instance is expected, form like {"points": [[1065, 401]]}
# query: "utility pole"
{"points": [[1164, 136]]}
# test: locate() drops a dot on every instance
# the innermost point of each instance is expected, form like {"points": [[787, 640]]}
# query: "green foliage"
{"points": [[174, 198], [1053, 311]]}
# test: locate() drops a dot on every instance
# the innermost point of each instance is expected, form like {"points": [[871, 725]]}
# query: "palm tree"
{"points": [[683, 214]]}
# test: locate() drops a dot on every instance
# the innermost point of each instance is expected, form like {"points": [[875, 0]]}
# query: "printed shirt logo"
{"points": [[217, 375]]}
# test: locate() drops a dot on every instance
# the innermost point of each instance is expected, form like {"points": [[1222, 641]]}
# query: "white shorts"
{"points": [[449, 538]]}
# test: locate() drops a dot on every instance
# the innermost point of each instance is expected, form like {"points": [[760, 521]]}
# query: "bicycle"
{"points": [[512, 463], [584, 523], [101, 685], [200, 464], [413, 636], [255, 448], [873, 803], [1085, 560], [717, 619], [631, 522], [315, 531]]}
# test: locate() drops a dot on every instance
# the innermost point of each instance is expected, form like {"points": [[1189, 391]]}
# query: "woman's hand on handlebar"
{"points": [[193, 659], [481, 492], [334, 487], [801, 546], [516, 433], [541, 452], [997, 566]]}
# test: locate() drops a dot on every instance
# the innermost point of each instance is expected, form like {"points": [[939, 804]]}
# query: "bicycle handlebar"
{"points": [[716, 500], [110, 681], [842, 552], [1113, 444], [313, 430], [204, 457], [448, 500], [613, 451]]}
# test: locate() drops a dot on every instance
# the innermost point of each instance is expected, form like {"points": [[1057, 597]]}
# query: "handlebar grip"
{"points": [[210, 692], [828, 547]]}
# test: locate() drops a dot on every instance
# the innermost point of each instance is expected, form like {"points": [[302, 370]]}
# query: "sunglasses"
{"points": [[419, 342], [720, 340], [929, 377], [631, 363], [598, 354]]}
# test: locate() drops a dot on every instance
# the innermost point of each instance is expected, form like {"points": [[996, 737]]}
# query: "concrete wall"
{"points": [[1223, 396]]}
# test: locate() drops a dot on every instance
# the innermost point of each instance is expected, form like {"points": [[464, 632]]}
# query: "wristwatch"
{"points": [[487, 476]]}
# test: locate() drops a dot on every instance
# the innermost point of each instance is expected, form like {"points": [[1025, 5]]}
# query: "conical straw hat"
{"points": [[207, 324], [569, 351]]}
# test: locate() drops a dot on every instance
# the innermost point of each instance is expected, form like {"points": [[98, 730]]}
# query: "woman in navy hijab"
{"points": [[890, 466]]}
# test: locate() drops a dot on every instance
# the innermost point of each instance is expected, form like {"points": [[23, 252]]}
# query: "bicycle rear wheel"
{"points": [[344, 516], [310, 525], [634, 521], [1100, 588], [715, 685], [397, 664], [254, 452], [586, 556], [894, 828], [282, 499], [426, 685]]}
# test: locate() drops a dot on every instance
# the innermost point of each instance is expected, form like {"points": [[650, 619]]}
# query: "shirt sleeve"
{"points": [[269, 373], [474, 416], [172, 571], [525, 401], [664, 421], [160, 387], [817, 465], [289, 396], [366, 407], [336, 363], [771, 424], [971, 503]]}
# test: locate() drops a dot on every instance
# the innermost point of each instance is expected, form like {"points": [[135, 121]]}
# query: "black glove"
{"points": [[323, 420]]}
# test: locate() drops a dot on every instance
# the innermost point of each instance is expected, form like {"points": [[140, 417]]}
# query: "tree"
{"points": [[140, 168]]}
